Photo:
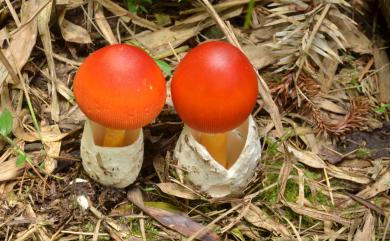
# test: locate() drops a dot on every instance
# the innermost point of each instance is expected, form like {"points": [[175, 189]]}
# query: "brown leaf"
{"points": [[381, 185], [176, 190], [326, 153], [175, 221], [367, 233], [259, 55], [44, 33], [355, 39], [346, 175], [9, 170], [283, 175], [23, 40], [72, 32], [104, 27], [306, 157], [382, 66], [160, 41], [127, 16], [260, 219], [316, 214], [53, 148]]}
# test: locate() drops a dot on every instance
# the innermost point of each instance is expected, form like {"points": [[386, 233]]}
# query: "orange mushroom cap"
{"points": [[214, 88], [120, 87]]}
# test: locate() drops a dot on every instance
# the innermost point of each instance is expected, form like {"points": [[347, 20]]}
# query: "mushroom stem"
{"points": [[216, 145], [113, 137], [118, 138]]}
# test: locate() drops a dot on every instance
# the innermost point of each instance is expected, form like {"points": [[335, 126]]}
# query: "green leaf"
{"points": [[164, 66], [21, 160], [248, 16], [132, 6], [162, 205], [237, 233], [382, 108], [42, 166], [5, 123], [143, 9]]}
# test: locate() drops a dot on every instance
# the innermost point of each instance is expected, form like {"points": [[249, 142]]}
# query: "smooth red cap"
{"points": [[214, 88], [120, 86]]}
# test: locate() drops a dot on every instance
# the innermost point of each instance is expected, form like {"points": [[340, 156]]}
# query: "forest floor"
{"points": [[322, 112]]}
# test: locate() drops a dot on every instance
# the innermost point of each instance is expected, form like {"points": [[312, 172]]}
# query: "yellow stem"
{"points": [[118, 138], [113, 137], [216, 144]]}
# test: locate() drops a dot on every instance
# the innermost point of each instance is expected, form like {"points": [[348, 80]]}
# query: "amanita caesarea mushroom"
{"points": [[214, 89], [120, 89]]}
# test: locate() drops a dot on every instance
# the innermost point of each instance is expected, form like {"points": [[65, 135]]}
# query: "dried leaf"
{"points": [[9, 170], [367, 233], [306, 157], [259, 55], [104, 27], [44, 33], [160, 41], [382, 65], [381, 185], [260, 219], [354, 38], [176, 190], [23, 40], [127, 16], [316, 214], [175, 221], [350, 176], [53, 148], [72, 32], [329, 106]]}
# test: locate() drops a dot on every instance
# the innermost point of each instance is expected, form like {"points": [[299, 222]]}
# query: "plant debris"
{"points": [[323, 116]]}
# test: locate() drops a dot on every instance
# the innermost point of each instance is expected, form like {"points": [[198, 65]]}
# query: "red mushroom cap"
{"points": [[214, 88], [120, 86]]}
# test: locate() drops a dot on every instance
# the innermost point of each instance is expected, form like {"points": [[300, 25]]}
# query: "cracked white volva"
{"points": [[111, 166], [208, 175]]}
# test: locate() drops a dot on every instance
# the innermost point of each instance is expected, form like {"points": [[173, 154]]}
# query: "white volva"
{"points": [[111, 166], [207, 174]]}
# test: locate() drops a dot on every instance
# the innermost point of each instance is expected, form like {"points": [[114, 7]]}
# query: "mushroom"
{"points": [[120, 89], [214, 89]]}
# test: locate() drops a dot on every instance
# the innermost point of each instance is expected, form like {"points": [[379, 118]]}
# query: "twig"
{"points": [[220, 6], [60, 229], [220, 23], [84, 233], [13, 13], [142, 227], [294, 229], [12, 217], [96, 232], [387, 228], [31, 18], [329, 187], [208, 226], [27, 234], [237, 219]]}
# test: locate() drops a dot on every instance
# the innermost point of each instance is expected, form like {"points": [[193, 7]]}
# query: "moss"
{"points": [[363, 153], [292, 190], [319, 199], [151, 231], [88, 226], [312, 175]]}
